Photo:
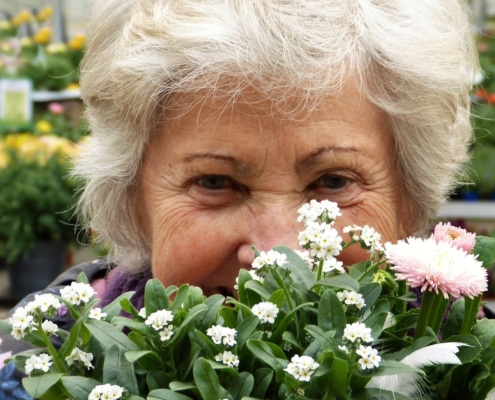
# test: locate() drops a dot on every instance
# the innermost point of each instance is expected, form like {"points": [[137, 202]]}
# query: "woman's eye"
{"points": [[214, 182], [333, 181]]}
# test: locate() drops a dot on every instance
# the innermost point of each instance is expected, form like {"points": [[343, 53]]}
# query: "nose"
{"points": [[268, 227]]}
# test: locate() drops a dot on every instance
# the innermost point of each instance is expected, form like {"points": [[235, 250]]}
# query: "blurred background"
{"points": [[42, 125]]}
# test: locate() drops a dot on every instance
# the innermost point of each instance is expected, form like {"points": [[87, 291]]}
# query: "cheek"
{"points": [[189, 246]]}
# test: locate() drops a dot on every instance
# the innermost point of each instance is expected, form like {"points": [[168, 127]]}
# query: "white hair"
{"points": [[413, 59]]}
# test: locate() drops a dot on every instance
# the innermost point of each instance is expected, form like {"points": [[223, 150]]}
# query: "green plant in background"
{"points": [[50, 66], [36, 198]]}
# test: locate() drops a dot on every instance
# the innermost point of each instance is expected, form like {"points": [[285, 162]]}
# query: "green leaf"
{"points": [[180, 298], [82, 278], [187, 363], [247, 298], [339, 376], [158, 380], [118, 370], [241, 385], [484, 330], [5, 326], [485, 248], [166, 394], [155, 296], [262, 379], [326, 339], [269, 353], [466, 353], [181, 386], [193, 313], [289, 337], [376, 322], [456, 317], [213, 304], [79, 387], [133, 324], [371, 292], [342, 281], [331, 314], [284, 323], [37, 386], [113, 309], [108, 335], [277, 298], [299, 270], [206, 380], [245, 329], [149, 360], [357, 270]]}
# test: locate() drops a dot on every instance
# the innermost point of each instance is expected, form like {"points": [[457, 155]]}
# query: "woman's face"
{"points": [[219, 179]]}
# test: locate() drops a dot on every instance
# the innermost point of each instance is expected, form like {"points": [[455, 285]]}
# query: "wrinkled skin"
{"points": [[218, 179]]}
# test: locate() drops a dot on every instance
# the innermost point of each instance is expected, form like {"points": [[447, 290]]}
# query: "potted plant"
{"points": [[35, 208]]}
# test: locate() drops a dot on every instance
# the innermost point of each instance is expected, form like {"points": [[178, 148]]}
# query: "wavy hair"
{"points": [[413, 59]]}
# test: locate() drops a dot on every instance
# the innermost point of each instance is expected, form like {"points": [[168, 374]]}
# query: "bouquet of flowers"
{"points": [[302, 326]]}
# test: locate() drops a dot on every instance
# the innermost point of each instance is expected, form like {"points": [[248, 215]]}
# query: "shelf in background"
{"points": [[467, 209], [45, 95]]}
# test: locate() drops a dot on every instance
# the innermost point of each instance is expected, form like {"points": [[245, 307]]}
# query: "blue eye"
{"points": [[334, 181], [214, 182]]}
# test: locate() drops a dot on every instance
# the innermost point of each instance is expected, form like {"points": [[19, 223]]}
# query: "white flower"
{"points": [[50, 328], [227, 358], [271, 258], [344, 349], [96, 313], [351, 298], [306, 258], [332, 264], [106, 392], [253, 274], [166, 333], [219, 334], [371, 239], [18, 333], [43, 362], [77, 292], [265, 311], [30, 364], [21, 319], [301, 367], [357, 332], [44, 301], [142, 312], [159, 319], [78, 355]]}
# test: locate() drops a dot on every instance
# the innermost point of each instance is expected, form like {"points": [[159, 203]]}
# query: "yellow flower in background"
{"points": [[26, 42], [44, 14], [43, 36], [77, 42], [44, 126], [5, 25], [73, 86], [22, 18], [4, 158], [55, 48]]}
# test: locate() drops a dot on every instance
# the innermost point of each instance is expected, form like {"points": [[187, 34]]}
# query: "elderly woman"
{"points": [[214, 121]]}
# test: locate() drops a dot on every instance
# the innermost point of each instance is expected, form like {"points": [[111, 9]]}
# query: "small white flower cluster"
{"points": [[354, 336], [265, 311], [106, 392], [369, 357], [41, 362], [142, 313], [369, 238], [306, 258], [23, 319], [271, 258], [321, 240], [78, 355], [351, 298], [357, 333], [302, 367], [77, 293], [325, 210], [219, 334], [159, 321], [50, 328], [96, 313], [228, 358]]}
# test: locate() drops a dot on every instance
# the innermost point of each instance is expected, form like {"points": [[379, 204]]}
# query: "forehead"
{"points": [[347, 122]]}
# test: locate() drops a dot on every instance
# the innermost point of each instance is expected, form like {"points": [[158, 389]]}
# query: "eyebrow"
{"points": [[238, 166], [315, 157]]}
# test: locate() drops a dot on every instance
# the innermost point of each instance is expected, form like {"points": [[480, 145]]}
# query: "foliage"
{"points": [[184, 345], [36, 196]]}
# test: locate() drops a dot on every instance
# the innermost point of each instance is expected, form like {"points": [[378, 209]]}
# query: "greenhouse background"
{"points": [[36, 199]]}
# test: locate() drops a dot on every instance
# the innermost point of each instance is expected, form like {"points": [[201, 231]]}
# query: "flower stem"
{"points": [[51, 350], [319, 272], [281, 282], [424, 313], [437, 313], [470, 311]]}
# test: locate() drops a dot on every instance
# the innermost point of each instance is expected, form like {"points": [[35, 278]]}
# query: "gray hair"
{"points": [[413, 59]]}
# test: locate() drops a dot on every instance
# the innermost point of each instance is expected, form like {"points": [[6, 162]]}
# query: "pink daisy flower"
{"points": [[436, 266], [459, 237]]}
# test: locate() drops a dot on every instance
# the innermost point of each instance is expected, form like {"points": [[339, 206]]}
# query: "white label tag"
{"points": [[16, 104]]}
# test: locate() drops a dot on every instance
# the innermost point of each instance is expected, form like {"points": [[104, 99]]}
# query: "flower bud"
{"points": [[385, 279]]}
